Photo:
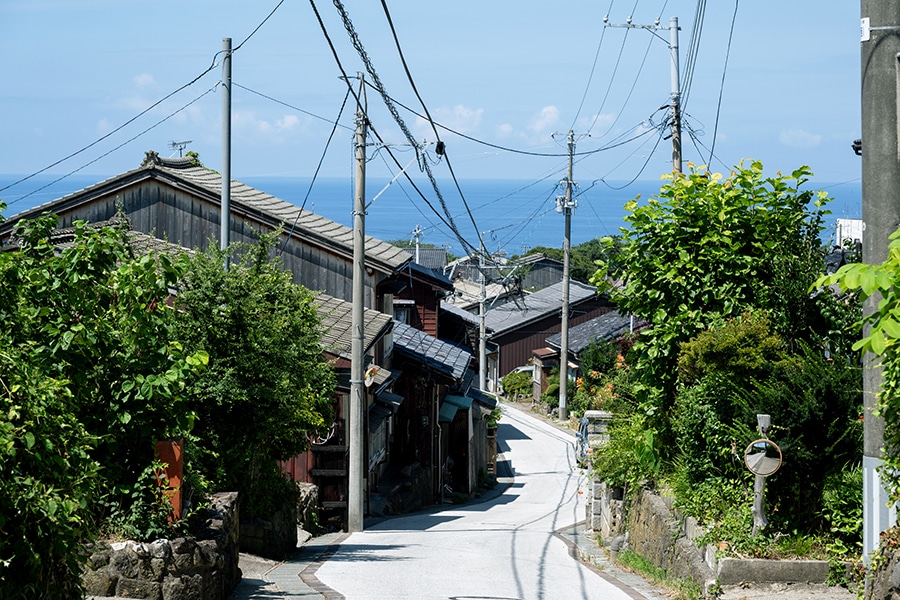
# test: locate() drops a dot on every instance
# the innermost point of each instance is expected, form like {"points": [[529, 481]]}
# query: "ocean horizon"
{"points": [[512, 216]]}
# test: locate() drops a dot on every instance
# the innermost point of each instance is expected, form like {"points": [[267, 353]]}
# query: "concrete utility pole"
{"points": [[880, 70], [482, 328], [676, 84], [565, 205], [225, 208], [356, 439]]}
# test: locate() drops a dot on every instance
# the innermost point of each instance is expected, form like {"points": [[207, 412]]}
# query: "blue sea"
{"points": [[511, 216]]}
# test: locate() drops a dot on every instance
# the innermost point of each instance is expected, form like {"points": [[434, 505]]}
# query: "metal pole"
{"points": [[880, 78], [225, 212], [564, 330], [356, 439], [676, 96]]}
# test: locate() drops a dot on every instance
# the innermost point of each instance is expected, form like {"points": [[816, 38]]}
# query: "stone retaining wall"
{"points": [[204, 567], [656, 535]]}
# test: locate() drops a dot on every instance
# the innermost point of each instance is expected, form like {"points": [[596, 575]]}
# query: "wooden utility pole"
{"points": [[356, 431], [880, 78]]}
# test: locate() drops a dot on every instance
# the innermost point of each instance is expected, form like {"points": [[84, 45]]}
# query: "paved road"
{"points": [[501, 549]]}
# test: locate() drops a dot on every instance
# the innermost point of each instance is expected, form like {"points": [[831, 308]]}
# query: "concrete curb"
{"points": [[757, 570]]}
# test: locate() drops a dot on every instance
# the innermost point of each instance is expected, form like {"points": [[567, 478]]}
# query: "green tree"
{"points": [[90, 376], [268, 385], [881, 337], [709, 248]]}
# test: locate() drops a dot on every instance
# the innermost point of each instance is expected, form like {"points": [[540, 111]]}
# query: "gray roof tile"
{"points": [[436, 354]]}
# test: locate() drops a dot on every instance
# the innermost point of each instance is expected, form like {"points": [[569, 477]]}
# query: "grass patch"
{"points": [[677, 589]]}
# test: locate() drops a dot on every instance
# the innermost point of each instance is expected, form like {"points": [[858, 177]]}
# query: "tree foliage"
{"points": [[91, 377], [268, 385], [709, 248], [880, 285], [721, 269]]}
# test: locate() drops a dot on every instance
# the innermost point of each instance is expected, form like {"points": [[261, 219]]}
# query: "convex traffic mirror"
{"points": [[762, 457]]}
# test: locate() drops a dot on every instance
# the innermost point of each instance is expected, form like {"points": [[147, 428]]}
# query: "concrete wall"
{"points": [[204, 567]]}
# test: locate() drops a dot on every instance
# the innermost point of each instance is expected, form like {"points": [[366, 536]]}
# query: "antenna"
{"points": [[180, 146]]}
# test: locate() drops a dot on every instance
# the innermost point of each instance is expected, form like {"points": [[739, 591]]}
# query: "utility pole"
{"points": [[482, 329], [225, 208], [880, 77], [675, 101], [356, 439], [417, 232], [565, 205]]}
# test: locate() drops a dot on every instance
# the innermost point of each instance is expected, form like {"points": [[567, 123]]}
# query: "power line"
{"points": [[465, 244], [316, 173], [131, 120], [105, 154], [114, 131], [722, 84], [291, 106]]}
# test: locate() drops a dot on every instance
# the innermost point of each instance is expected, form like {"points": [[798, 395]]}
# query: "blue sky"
{"points": [[514, 75]]}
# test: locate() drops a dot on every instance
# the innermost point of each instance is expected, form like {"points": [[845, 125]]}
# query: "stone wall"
{"points": [[883, 582], [204, 567], [656, 535]]}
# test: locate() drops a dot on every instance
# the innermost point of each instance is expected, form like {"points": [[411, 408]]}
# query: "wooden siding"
{"points": [[184, 219], [517, 347]]}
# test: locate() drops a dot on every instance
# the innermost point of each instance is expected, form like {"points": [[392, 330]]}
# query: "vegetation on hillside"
{"points": [[722, 269], [267, 384], [96, 366]]}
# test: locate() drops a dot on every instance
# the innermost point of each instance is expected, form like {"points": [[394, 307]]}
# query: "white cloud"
{"points": [[458, 118], [144, 80], [545, 121], [505, 130], [103, 126], [800, 139], [248, 123], [287, 122]]}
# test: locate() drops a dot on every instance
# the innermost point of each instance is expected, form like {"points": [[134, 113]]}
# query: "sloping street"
{"points": [[503, 548]]}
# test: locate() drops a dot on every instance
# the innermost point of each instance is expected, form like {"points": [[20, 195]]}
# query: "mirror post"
{"points": [[764, 422]]}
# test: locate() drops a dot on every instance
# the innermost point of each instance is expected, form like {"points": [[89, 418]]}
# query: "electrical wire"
{"points": [[105, 136], [252, 33], [316, 173], [587, 86], [693, 51], [441, 149], [465, 244], [291, 106], [379, 86], [722, 84], [126, 142], [131, 120]]}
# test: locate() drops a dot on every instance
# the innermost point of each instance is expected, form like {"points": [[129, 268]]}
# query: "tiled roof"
{"points": [[436, 354], [531, 307], [608, 326], [337, 320], [186, 174]]}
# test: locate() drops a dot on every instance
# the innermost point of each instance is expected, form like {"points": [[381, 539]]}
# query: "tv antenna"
{"points": [[180, 146]]}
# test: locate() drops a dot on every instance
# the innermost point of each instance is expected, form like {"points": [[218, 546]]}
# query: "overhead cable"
{"points": [[126, 142], [722, 84], [441, 149]]}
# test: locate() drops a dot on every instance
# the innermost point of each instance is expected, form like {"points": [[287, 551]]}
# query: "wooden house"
{"points": [[522, 324]]}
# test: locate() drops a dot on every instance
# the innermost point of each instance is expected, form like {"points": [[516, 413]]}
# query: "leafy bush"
{"points": [[268, 384], [47, 482], [843, 512], [517, 383], [599, 356]]}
